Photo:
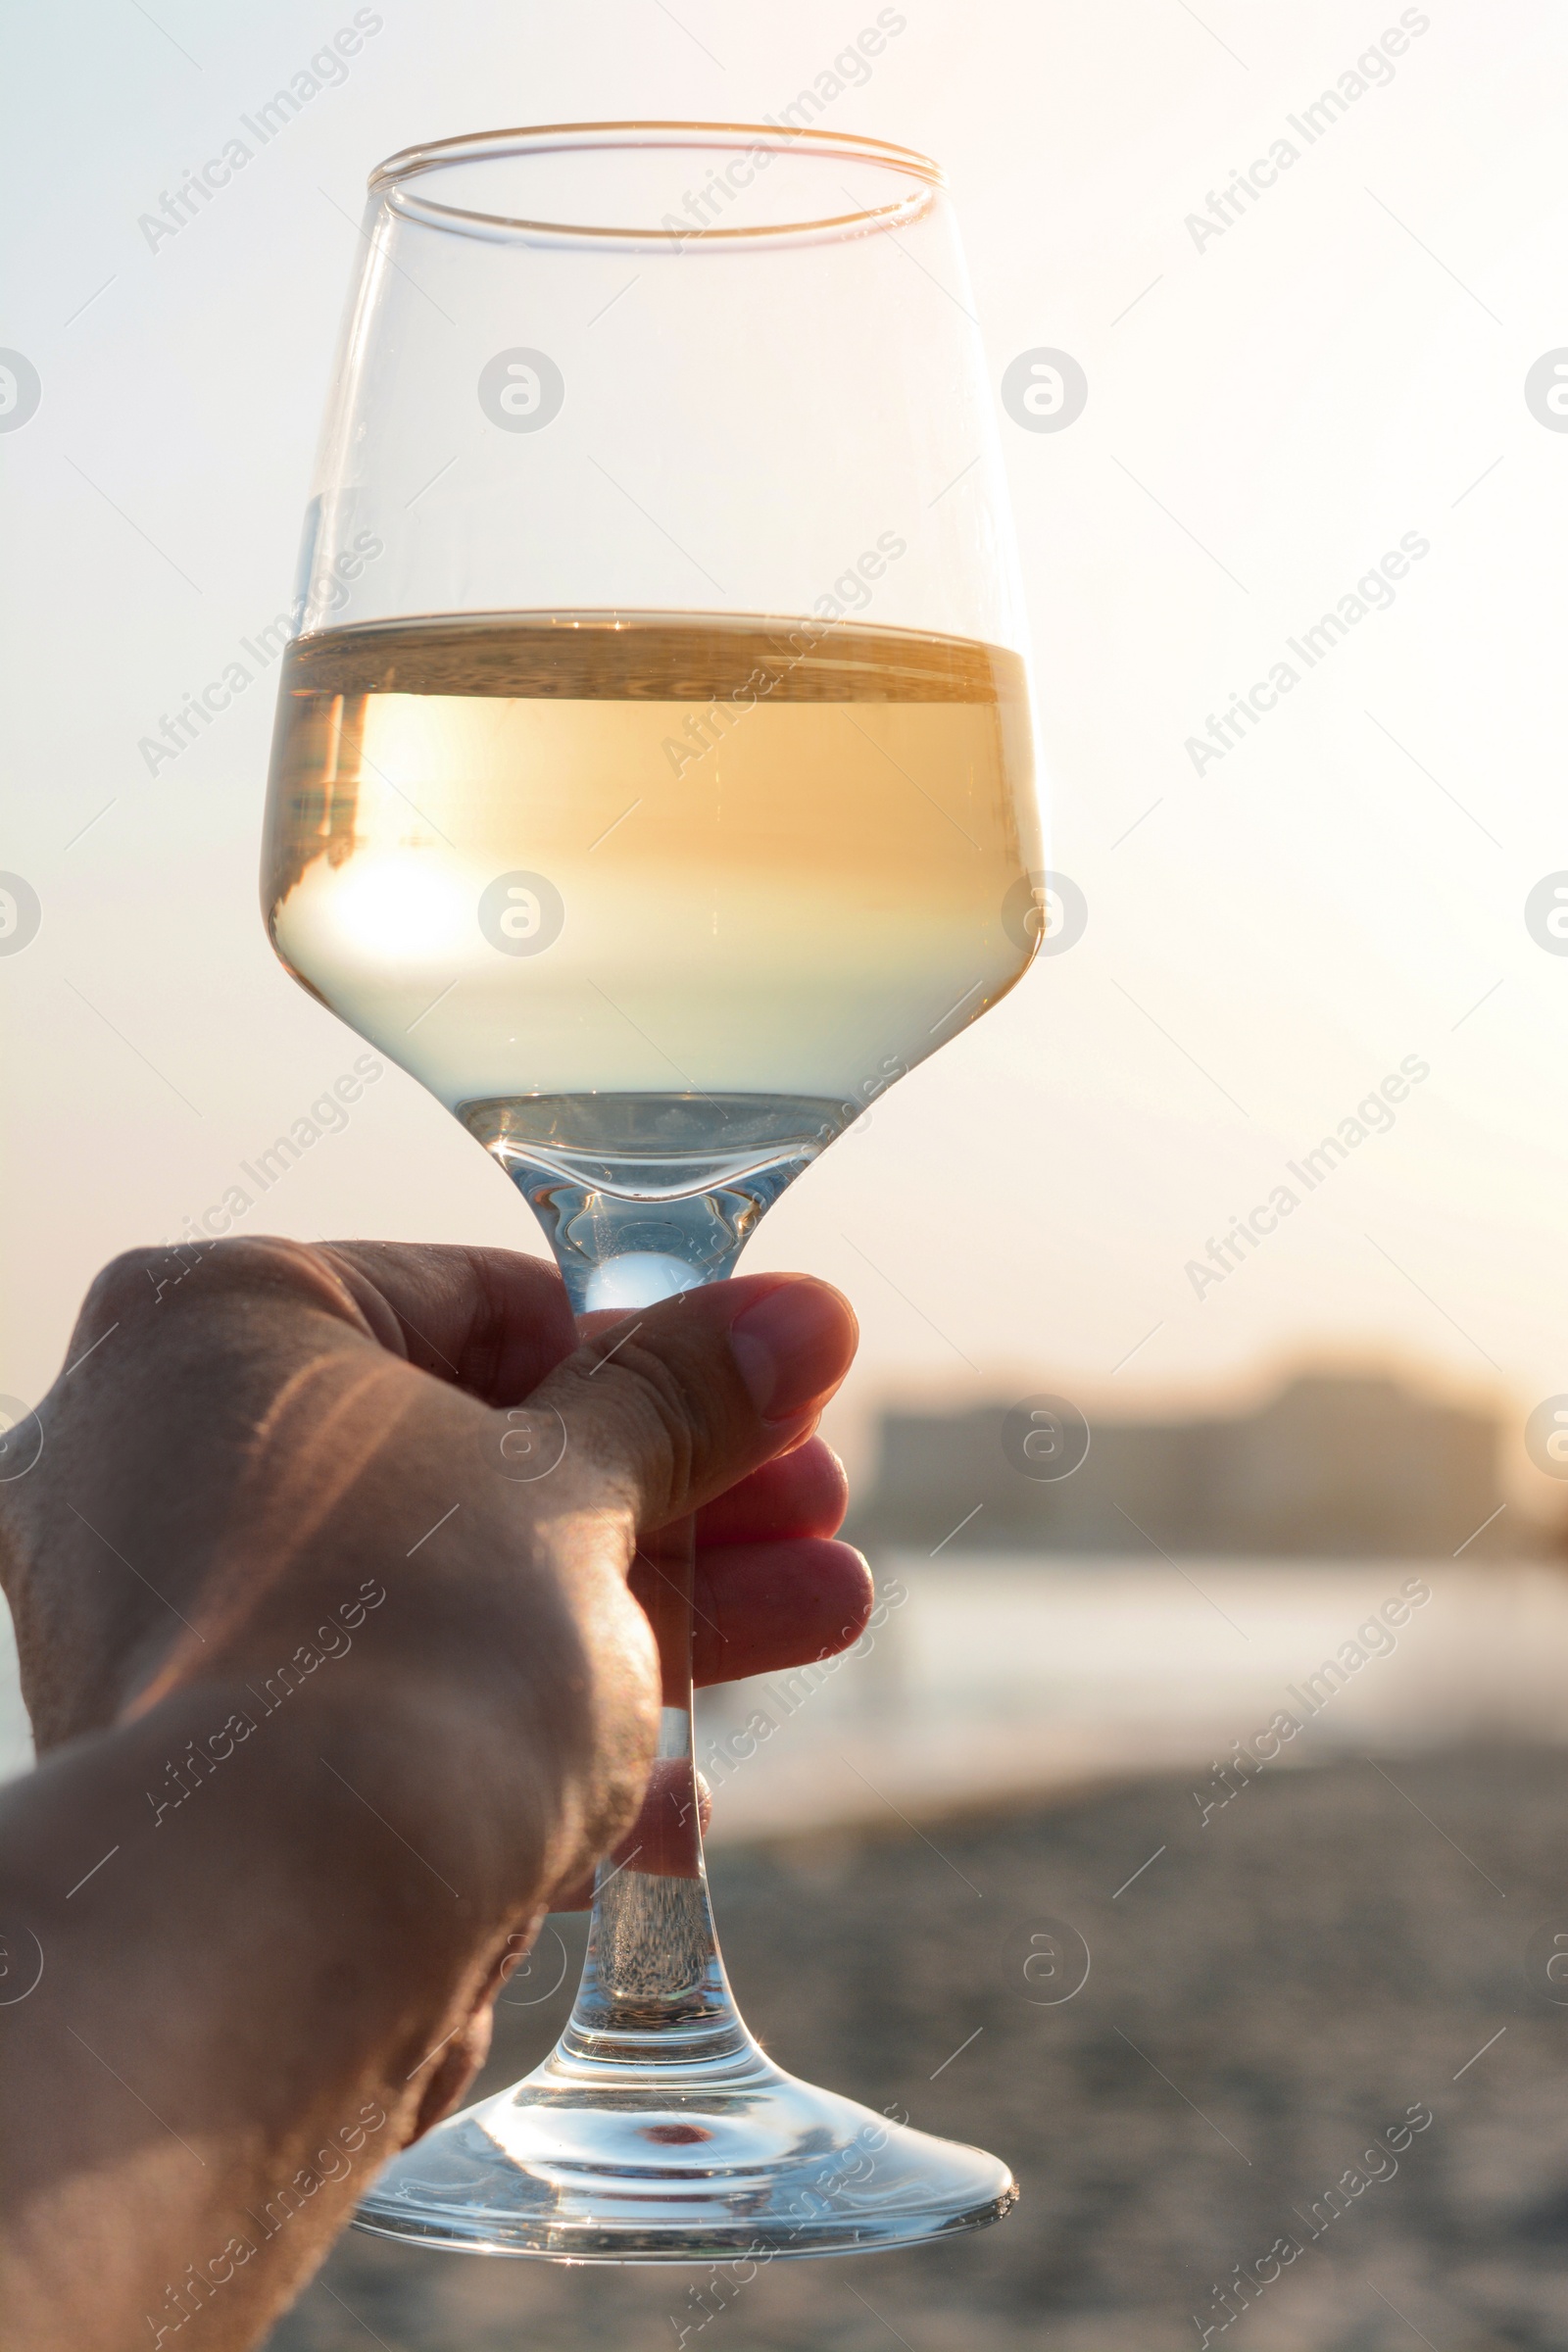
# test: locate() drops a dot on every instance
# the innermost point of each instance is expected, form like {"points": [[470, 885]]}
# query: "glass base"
{"points": [[736, 2161]]}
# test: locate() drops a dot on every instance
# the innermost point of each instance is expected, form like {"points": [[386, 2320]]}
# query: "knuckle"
{"points": [[119, 1284], [261, 1258], [139, 1290], [148, 1276]]}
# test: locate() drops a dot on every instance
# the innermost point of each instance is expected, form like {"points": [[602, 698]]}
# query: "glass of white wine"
{"points": [[653, 781]]}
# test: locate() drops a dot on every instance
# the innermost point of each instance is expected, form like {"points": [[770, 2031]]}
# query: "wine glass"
{"points": [[653, 782]]}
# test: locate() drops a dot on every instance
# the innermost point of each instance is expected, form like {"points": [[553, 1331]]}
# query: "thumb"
{"points": [[668, 1406]]}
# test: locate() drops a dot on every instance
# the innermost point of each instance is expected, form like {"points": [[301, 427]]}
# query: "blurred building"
{"points": [[1332, 1467]]}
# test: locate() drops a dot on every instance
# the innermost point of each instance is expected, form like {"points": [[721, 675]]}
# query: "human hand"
{"points": [[233, 1457], [191, 1383]]}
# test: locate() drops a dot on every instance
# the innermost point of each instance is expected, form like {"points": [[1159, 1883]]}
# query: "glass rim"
{"points": [[390, 180]]}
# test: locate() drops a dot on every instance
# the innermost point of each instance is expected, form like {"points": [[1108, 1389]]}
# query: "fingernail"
{"points": [[792, 1347]]}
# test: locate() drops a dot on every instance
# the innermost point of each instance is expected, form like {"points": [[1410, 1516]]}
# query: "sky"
{"points": [[1284, 388]]}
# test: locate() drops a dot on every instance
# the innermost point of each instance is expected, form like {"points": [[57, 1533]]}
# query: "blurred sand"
{"points": [[1330, 1949]]}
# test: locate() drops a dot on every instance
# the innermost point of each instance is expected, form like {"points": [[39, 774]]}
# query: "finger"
{"points": [[491, 1321], [678, 1401], [599, 1320], [757, 1608], [804, 1493]]}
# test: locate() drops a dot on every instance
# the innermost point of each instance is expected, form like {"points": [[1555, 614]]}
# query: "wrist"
{"points": [[286, 1973]]}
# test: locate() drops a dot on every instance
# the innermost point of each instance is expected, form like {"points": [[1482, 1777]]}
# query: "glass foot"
{"points": [[734, 2160]]}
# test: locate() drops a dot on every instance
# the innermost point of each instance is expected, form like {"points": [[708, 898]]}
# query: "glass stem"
{"points": [[655, 2005], [654, 1989], [654, 1994]]}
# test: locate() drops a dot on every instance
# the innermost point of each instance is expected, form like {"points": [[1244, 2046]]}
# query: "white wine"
{"points": [[646, 856]]}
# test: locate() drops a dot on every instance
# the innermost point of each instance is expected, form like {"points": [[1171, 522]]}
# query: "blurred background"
{"points": [[1310, 263]]}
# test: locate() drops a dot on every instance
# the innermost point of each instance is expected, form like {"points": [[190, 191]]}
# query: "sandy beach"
{"points": [[1274, 1993]]}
